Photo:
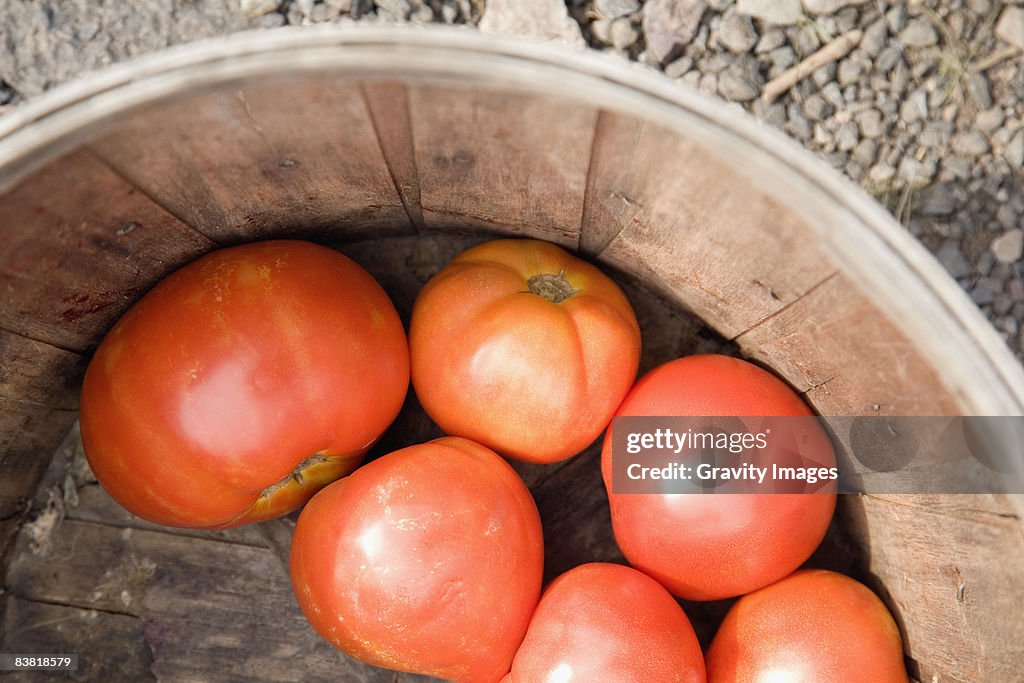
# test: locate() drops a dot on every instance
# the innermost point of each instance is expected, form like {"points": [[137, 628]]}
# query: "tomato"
{"points": [[523, 347], [607, 622], [242, 383], [426, 560], [814, 626], [708, 547]]}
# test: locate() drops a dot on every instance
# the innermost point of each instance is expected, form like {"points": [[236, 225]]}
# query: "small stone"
{"points": [[1016, 289], [1010, 28], [804, 39], [870, 123], [773, 114], [850, 71], [832, 93], [623, 34], [771, 39], [257, 8], [865, 152], [87, 31], [874, 38], [937, 200], [896, 18], [341, 5], [797, 125], [979, 6], [1006, 216], [988, 120], [985, 290], [669, 25], [449, 13], [742, 81], [829, 6], [824, 75], [816, 108], [736, 32], [1014, 152], [951, 256], [781, 12], [1008, 247], [956, 168], [709, 83], [882, 173], [399, 8], [601, 29], [846, 138], [272, 20], [971, 143], [782, 58], [823, 138], [915, 107], [677, 68], [909, 169], [936, 134], [304, 6], [613, 9], [978, 89], [888, 58], [919, 32], [547, 19]]}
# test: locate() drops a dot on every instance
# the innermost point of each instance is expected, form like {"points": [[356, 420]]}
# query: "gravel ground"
{"points": [[921, 103]]}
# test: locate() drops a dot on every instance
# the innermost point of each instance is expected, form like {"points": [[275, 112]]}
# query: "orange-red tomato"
{"points": [[607, 622], [814, 626], [427, 560], [243, 383], [523, 347], [708, 547]]}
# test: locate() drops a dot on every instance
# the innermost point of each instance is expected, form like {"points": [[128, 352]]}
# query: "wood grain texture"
{"points": [[835, 346], [79, 246], [388, 104], [35, 627], [28, 435], [35, 372], [663, 208], [213, 611], [951, 580], [515, 164], [275, 158]]}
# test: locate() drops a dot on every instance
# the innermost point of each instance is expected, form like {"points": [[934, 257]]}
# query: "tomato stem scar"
{"points": [[554, 288]]}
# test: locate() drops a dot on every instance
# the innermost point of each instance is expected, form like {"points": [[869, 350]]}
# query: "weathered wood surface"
{"points": [[473, 146], [277, 158], [951, 573], [833, 345], [665, 209], [78, 245], [389, 110]]}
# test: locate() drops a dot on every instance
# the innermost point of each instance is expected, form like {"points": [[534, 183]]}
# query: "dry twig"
{"points": [[837, 49]]}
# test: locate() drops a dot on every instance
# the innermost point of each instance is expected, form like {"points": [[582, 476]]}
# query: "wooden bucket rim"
{"points": [[891, 266]]}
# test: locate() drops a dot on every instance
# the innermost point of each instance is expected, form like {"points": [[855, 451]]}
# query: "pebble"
{"points": [[915, 107], [988, 120], [670, 24], [677, 68], [770, 39], [1010, 27], [1014, 152], [865, 153], [850, 71], [846, 138], [919, 32], [832, 93], [782, 12], [882, 172], [797, 124], [736, 32], [985, 290], [257, 8], [742, 81], [623, 34], [1008, 247], [613, 9], [978, 89], [970, 143], [828, 6], [896, 18], [874, 38], [870, 123], [816, 108], [951, 256], [398, 8], [888, 58]]}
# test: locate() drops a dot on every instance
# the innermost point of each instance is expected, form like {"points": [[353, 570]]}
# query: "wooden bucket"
{"points": [[400, 147]]}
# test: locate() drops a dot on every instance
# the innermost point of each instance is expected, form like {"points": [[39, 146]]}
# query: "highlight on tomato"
{"points": [[242, 383], [427, 560], [812, 626], [608, 622]]}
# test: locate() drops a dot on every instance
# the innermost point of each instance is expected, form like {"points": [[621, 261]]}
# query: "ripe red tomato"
{"points": [[708, 547], [810, 627], [523, 347], [243, 383], [607, 622], [427, 560]]}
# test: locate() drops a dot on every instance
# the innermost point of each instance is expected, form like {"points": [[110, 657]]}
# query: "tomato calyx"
{"points": [[554, 288]]}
